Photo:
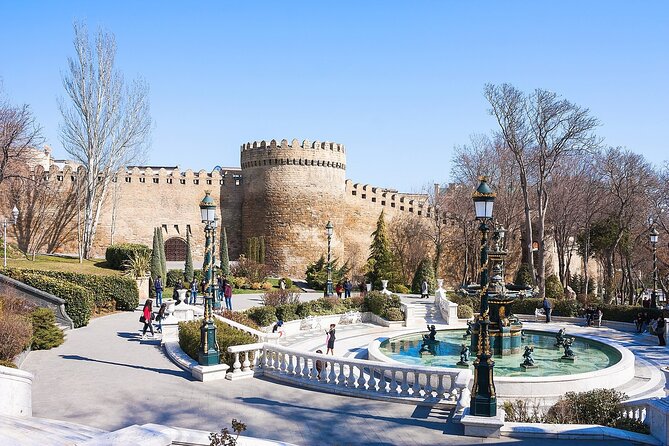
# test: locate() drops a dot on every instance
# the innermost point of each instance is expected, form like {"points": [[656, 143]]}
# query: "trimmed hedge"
{"points": [[226, 336], [119, 253], [46, 334], [78, 300], [267, 315], [526, 305], [174, 276], [627, 313], [109, 292]]}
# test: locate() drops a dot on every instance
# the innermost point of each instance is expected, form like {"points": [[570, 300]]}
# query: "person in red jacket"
{"points": [[147, 316]]}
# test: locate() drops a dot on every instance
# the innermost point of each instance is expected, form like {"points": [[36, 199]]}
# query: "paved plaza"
{"points": [[103, 376]]}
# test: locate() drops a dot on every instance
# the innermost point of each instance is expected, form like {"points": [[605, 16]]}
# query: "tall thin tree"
{"points": [[225, 257], [106, 123]]}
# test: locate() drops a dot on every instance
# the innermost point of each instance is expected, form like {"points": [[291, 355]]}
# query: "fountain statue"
{"points": [[469, 330], [528, 362], [464, 356], [429, 342], [559, 338], [568, 352], [432, 334]]}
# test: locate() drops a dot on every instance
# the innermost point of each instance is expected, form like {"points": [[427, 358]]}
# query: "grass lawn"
{"points": [[66, 264]]}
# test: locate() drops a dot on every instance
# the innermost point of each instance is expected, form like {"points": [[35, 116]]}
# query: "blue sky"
{"points": [[399, 83]]}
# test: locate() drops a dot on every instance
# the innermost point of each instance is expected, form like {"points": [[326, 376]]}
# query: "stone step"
{"points": [[30, 431]]}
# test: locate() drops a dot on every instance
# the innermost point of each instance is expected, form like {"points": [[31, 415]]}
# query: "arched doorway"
{"points": [[175, 249]]}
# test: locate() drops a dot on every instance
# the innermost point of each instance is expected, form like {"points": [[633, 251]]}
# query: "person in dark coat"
{"points": [[330, 339], [659, 330], [548, 308]]}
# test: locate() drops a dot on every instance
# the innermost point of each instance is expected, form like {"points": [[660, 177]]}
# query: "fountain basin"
{"points": [[598, 364]]}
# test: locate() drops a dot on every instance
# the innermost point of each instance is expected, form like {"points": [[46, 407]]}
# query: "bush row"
{"points": [[108, 292], [226, 336], [378, 303], [116, 255], [572, 308]]}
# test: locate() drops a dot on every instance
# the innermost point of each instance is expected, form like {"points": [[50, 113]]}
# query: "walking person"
{"points": [[227, 293], [348, 287], [339, 289], [193, 292], [158, 287], [220, 284], [146, 317], [548, 308], [319, 365], [160, 316], [330, 339], [659, 330], [424, 290]]}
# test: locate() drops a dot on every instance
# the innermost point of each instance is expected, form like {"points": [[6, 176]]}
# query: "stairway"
{"points": [[30, 431], [424, 312]]}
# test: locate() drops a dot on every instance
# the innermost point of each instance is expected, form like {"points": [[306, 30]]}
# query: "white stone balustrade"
{"points": [[635, 410], [269, 337], [367, 379], [247, 360]]}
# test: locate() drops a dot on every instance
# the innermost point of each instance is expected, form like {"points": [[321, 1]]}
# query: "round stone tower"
{"points": [[290, 192]]}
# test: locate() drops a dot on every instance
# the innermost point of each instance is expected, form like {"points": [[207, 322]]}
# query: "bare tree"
{"points": [[407, 243], [539, 129], [18, 132], [106, 123]]}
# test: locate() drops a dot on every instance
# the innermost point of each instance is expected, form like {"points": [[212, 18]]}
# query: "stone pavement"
{"points": [[103, 376]]}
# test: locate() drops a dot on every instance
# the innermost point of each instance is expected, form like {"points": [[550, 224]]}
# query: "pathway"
{"points": [[103, 376]]}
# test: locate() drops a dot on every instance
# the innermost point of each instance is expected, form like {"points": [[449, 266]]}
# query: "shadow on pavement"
{"points": [[179, 373]]}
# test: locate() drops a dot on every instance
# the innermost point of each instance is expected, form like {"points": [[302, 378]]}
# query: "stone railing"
{"points": [[247, 360], [635, 410], [16, 391], [367, 379], [269, 337], [9, 286]]}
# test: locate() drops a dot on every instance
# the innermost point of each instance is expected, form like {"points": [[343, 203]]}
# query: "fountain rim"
{"points": [[626, 359]]}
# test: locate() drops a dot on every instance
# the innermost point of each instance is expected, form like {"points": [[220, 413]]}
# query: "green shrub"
{"points": [[526, 305], [393, 314], [239, 317], [599, 406], [632, 425], [554, 289], [287, 312], [303, 310], [78, 300], [173, 277], [15, 332], [108, 292], [379, 303], [117, 254], [465, 311], [472, 302], [8, 363], [401, 289], [567, 308], [263, 316], [327, 305], [46, 334], [316, 273], [226, 336], [523, 275], [425, 271], [626, 313], [238, 282]]}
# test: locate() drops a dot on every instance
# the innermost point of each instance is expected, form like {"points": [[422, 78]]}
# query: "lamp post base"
{"points": [[482, 406]]}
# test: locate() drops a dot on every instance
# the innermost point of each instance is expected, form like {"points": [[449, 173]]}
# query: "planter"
{"points": [[143, 287]]}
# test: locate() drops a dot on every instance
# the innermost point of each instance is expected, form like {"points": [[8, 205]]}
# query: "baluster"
{"points": [[291, 367], [393, 383], [305, 368], [351, 377], [332, 375], [246, 365], [428, 385], [361, 378], [405, 383], [341, 378], [454, 395], [283, 363], [236, 366], [643, 414], [440, 386], [371, 382], [257, 363], [415, 388], [276, 362]]}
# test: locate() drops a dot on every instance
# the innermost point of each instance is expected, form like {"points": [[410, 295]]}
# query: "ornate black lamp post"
{"points": [[654, 235], [5, 223], [484, 399], [213, 285], [328, 287], [208, 354]]}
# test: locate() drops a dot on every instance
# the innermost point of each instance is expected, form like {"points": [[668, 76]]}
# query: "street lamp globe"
{"points": [[15, 214], [654, 235], [208, 208], [484, 199], [329, 228]]}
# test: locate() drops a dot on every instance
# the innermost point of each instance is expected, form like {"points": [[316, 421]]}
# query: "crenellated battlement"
{"points": [[294, 144], [389, 198]]}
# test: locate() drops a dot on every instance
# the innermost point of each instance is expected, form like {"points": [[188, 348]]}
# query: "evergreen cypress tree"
{"points": [[163, 260], [188, 268], [425, 271], [261, 249], [225, 258], [156, 266], [380, 264]]}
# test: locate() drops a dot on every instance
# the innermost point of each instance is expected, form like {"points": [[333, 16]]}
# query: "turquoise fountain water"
{"points": [[591, 355]]}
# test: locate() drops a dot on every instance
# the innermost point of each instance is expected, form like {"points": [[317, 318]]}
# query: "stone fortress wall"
{"points": [[284, 191]]}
